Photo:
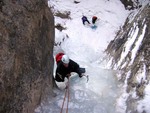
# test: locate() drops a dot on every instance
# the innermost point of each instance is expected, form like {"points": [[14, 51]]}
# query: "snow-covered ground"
{"points": [[97, 95], [86, 46]]}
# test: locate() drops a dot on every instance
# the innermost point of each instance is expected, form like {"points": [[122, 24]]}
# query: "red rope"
{"points": [[63, 101], [68, 97], [66, 92]]}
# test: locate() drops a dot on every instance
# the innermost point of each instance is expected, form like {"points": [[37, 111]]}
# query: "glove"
{"points": [[82, 74]]}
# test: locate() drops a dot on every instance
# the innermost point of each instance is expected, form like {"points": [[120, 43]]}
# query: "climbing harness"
{"points": [[66, 94]]}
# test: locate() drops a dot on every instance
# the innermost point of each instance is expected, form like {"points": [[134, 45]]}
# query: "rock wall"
{"points": [[135, 65], [26, 54], [131, 4]]}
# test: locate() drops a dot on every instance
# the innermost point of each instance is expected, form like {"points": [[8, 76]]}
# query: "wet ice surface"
{"points": [[98, 95]]}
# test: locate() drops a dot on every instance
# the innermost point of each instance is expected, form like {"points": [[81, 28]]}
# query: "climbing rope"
{"points": [[66, 93], [68, 96]]}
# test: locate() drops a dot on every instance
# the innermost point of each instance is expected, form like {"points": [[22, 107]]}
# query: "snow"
{"points": [[144, 104], [86, 46], [141, 76], [137, 44], [121, 101], [129, 43]]}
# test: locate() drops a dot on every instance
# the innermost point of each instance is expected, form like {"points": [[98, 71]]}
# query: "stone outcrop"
{"points": [[131, 4], [133, 64], [26, 54]]}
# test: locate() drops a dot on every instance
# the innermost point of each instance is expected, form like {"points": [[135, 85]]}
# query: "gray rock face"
{"points": [[131, 4], [134, 62], [26, 54]]}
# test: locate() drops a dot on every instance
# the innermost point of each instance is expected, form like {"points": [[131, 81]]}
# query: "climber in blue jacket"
{"points": [[85, 20]]}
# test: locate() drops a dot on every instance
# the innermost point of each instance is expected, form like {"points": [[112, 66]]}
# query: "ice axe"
{"points": [[87, 76]]}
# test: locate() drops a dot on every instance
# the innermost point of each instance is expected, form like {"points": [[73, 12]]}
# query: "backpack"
{"points": [[58, 57], [94, 18]]}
